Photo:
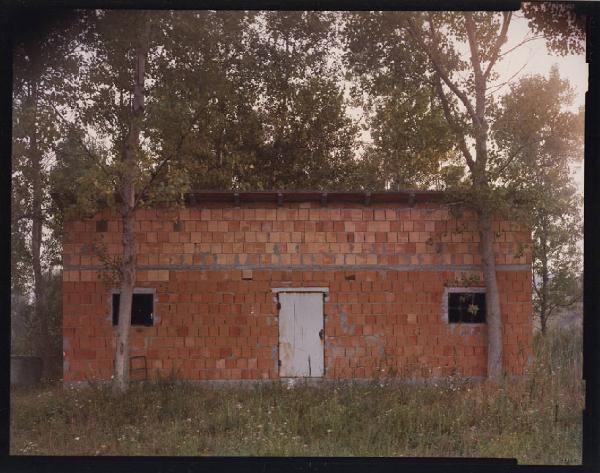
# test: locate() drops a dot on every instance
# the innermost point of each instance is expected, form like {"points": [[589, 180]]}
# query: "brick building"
{"points": [[266, 285]]}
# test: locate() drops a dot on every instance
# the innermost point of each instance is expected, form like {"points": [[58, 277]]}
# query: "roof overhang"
{"points": [[281, 197]]}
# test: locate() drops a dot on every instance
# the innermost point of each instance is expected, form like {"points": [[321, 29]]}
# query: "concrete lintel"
{"points": [[316, 268], [305, 290]]}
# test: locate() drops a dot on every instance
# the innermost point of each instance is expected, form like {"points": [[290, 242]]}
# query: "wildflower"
{"points": [[329, 431]]}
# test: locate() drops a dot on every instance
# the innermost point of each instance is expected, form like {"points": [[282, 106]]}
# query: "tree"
{"points": [[307, 138], [205, 87], [110, 106], [535, 125], [40, 65], [454, 57], [269, 110], [411, 139], [557, 258]]}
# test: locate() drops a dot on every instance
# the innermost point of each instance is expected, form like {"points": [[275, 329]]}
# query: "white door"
{"points": [[300, 334]]}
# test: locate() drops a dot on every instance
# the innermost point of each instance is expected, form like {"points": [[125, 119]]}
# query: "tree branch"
{"points": [[502, 84], [575, 299], [450, 119], [473, 46], [536, 288], [552, 307], [523, 42], [499, 42], [513, 155], [437, 65]]}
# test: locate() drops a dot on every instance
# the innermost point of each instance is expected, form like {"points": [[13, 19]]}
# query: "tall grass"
{"points": [[536, 419]]}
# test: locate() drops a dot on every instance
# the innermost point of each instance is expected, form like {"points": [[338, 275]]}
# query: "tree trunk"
{"points": [[121, 381], [544, 291], [543, 320], [37, 223], [127, 211], [493, 314]]}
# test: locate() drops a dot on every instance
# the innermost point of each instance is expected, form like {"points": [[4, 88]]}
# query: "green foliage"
{"points": [[392, 83], [540, 139], [560, 23], [22, 322], [25, 323], [397, 61], [259, 101], [41, 67], [234, 100], [308, 141]]}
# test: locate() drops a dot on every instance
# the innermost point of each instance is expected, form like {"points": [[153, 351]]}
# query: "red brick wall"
{"points": [[385, 266]]}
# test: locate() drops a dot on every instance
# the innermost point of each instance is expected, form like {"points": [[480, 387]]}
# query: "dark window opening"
{"points": [[466, 307], [142, 308]]}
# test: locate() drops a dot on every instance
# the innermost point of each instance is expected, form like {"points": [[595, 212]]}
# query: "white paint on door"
{"points": [[300, 326]]}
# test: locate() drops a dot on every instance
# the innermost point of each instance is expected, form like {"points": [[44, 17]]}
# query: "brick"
{"points": [[201, 313]]}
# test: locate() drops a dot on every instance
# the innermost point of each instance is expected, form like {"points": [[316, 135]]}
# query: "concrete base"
{"points": [[287, 382]]}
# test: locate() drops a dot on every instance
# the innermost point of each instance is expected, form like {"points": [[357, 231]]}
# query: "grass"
{"points": [[536, 419]]}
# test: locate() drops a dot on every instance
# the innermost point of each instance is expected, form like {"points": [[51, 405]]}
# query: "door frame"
{"points": [[319, 290]]}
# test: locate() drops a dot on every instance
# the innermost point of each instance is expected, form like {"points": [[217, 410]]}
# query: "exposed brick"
{"points": [[222, 323]]}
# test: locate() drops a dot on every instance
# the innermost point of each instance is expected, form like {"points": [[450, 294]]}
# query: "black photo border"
{"points": [[15, 10]]}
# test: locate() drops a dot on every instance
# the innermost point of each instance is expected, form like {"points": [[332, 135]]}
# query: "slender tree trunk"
{"points": [[493, 314], [121, 382], [543, 320], [544, 291], [544, 303], [127, 211], [37, 223], [495, 347]]}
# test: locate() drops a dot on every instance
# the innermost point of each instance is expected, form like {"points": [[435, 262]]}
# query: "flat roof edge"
{"points": [[365, 198], [281, 197]]}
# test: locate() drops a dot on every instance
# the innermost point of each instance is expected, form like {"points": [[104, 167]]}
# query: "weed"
{"points": [[536, 419]]}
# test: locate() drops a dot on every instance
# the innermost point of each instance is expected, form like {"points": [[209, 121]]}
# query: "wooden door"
{"points": [[300, 334]]}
